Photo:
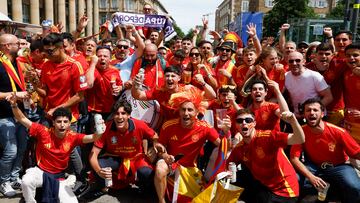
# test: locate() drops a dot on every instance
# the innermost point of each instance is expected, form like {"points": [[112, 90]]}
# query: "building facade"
{"points": [[69, 11], [229, 9]]}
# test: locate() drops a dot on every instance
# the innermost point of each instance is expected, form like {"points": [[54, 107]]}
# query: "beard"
{"points": [[317, 122]]}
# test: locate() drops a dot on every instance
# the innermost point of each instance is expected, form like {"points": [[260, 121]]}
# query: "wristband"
{"points": [[14, 106]]}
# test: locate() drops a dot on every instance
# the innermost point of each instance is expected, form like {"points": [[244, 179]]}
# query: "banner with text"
{"points": [[152, 21]]}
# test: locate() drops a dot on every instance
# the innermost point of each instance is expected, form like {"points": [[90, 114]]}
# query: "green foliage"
{"points": [[338, 11], [178, 30], [282, 11]]}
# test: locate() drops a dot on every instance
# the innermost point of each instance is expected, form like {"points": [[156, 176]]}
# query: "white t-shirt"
{"points": [[303, 87], [126, 66]]}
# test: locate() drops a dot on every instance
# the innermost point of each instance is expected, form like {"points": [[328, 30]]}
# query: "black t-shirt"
{"points": [[5, 86]]}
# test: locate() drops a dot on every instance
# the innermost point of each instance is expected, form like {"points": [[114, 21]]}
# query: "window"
{"points": [[321, 4], [114, 4], [312, 3], [102, 3], [244, 6], [102, 18], [129, 5], [26, 13], [269, 3]]}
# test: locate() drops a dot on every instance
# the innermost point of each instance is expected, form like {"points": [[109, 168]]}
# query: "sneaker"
{"points": [[16, 184], [7, 190]]}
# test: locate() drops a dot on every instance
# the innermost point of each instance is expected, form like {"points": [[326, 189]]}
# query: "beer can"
{"points": [[99, 126], [232, 168], [108, 182]]}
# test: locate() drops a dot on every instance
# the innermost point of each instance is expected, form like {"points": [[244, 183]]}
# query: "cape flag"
{"points": [[185, 185], [220, 162]]}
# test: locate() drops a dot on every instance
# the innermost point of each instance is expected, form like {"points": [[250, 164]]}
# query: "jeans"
{"points": [[13, 139], [255, 191], [343, 180]]}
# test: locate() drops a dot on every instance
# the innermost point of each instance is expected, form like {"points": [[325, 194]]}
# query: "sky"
{"points": [[188, 13]]}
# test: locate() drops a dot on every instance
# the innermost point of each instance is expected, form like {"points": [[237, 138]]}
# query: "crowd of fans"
{"points": [[289, 113]]}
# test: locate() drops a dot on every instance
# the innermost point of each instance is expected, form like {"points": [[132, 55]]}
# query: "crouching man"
{"points": [[53, 149], [122, 145]]}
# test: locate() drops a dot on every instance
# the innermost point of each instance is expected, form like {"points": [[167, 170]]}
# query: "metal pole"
{"points": [[355, 19], [347, 15]]}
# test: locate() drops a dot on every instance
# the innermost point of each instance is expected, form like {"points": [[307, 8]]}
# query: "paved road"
{"points": [[124, 196]]}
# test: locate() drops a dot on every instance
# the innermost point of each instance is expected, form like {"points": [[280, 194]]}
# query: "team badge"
{"points": [[114, 140], [83, 83], [331, 147], [134, 140], [260, 152], [195, 137], [66, 146], [265, 116]]}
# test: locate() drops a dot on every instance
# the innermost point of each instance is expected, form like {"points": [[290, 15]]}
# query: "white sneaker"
{"points": [[16, 184], [6, 189]]}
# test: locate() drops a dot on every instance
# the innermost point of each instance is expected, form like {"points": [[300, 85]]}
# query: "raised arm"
{"points": [[298, 136], [90, 74], [281, 100], [19, 116], [205, 28], [139, 42], [282, 39], [251, 30]]}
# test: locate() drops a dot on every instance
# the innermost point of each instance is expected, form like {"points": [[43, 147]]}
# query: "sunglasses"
{"points": [[226, 50], [226, 87], [194, 54], [247, 120], [122, 46], [50, 51], [296, 60]]}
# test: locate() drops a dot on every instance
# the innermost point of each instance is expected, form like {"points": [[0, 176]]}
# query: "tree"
{"points": [[282, 11], [178, 30], [339, 10]]}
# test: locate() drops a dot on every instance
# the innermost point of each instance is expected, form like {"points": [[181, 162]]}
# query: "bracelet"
{"points": [[329, 37], [78, 30], [14, 106]]}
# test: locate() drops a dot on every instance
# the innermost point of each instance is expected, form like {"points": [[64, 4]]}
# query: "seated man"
{"points": [[53, 149], [267, 174], [123, 151], [335, 145], [185, 136]]}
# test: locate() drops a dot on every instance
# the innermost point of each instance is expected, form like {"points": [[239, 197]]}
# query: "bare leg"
{"points": [[161, 172]]}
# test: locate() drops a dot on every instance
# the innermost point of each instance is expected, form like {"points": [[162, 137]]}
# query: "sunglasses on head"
{"points": [[224, 49], [296, 60], [194, 54], [247, 120], [226, 87], [122, 46]]}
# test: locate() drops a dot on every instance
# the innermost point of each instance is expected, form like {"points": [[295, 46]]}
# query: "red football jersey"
{"points": [[100, 97], [62, 81], [334, 143], [53, 153], [126, 145], [179, 140], [154, 75], [265, 158], [265, 117]]}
